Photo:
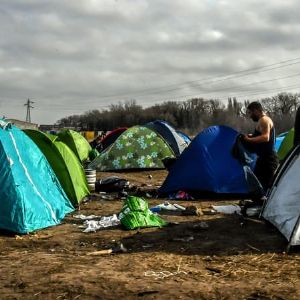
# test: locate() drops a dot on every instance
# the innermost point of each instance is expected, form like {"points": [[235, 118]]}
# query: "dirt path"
{"points": [[227, 260]]}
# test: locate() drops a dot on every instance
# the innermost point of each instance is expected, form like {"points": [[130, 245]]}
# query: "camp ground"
{"points": [[144, 231]]}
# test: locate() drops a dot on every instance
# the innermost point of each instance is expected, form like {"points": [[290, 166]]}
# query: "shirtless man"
{"points": [[262, 141]]}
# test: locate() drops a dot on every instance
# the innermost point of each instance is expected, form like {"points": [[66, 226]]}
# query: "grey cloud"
{"points": [[69, 55]]}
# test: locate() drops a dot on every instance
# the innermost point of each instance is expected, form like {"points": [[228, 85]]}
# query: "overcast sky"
{"points": [[74, 56]]}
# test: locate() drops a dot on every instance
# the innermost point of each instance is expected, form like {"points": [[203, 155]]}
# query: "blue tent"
{"points": [[175, 140], [31, 196], [207, 165], [184, 136]]}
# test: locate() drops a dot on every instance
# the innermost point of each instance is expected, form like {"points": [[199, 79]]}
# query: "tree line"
{"points": [[190, 116]]}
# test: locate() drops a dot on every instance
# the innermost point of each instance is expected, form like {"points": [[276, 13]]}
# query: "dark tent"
{"points": [[110, 138]]}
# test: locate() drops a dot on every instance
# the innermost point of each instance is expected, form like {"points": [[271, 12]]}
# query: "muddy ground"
{"points": [[231, 259]]}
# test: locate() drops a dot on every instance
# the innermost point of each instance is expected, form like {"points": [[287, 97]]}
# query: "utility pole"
{"points": [[28, 117]]}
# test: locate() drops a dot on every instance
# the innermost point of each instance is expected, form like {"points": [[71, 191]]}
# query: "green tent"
{"points": [[78, 144], [286, 145], [136, 148], [64, 163]]}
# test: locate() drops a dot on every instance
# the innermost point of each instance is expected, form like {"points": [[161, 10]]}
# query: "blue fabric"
{"points": [[278, 141], [247, 160], [207, 165], [31, 196], [184, 136]]}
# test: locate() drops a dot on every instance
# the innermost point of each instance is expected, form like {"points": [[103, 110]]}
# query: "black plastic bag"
{"points": [[111, 184]]}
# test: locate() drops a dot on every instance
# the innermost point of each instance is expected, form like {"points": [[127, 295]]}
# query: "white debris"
{"points": [[227, 209], [93, 225], [84, 217]]}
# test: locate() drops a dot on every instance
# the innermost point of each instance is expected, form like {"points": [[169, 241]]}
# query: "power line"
{"points": [[210, 92], [228, 88], [94, 102], [212, 80], [215, 79], [284, 88], [229, 78], [238, 95], [59, 106], [222, 98]]}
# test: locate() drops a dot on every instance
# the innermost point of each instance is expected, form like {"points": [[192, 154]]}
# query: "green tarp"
{"points": [[65, 164], [137, 148], [78, 144], [136, 214]]}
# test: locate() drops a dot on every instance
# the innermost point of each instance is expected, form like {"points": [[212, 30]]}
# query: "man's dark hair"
{"points": [[255, 105]]}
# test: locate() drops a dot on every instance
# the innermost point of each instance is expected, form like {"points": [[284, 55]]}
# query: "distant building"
{"points": [[22, 124]]}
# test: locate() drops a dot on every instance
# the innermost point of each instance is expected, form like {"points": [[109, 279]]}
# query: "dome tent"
{"points": [[282, 207], [184, 136], [136, 148], [31, 195], [175, 140], [64, 163], [110, 138], [207, 165], [77, 143]]}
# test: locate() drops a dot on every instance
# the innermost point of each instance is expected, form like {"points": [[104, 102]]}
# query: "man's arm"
{"points": [[265, 129]]}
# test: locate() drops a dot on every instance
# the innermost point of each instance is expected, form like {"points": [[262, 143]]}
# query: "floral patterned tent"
{"points": [[137, 148]]}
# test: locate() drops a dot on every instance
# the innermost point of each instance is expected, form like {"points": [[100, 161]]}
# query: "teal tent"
{"points": [[64, 163], [31, 195]]}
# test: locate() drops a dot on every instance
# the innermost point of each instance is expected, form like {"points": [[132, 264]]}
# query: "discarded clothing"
{"points": [[111, 184], [84, 217], [167, 207], [104, 222], [180, 195], [227, 209]]}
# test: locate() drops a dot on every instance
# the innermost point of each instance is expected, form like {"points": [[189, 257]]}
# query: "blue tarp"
{"points": [[31, 195], [279, 140], [207, 165]]}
